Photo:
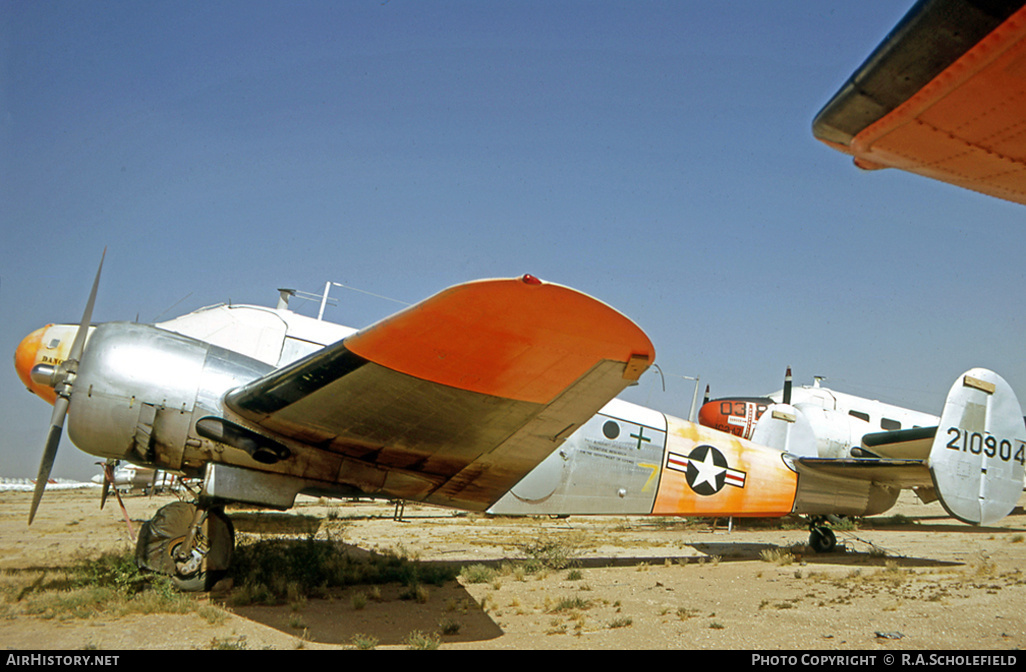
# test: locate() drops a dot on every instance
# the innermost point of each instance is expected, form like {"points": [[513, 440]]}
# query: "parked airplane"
{"points": [[837, 420], [493, 395], [27, 485], [128, 477]]}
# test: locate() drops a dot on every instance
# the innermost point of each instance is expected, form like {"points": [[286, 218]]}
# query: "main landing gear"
{"points": [[192, 543], [821, 537]]}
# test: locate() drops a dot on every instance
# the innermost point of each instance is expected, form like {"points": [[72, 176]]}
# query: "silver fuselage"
{"points": [[153, 395]]}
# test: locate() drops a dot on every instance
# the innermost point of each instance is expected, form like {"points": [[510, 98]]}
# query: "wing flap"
{"points": [[456, 398], [515, 457]]}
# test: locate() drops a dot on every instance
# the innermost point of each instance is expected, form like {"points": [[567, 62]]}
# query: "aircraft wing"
{"points": [[944, 96], [455, 399], [895, 473]]}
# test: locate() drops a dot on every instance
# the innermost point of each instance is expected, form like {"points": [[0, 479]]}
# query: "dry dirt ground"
{"points": [[917, 580]]}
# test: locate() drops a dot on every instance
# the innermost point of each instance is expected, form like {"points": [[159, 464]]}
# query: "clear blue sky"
{"points": [[657, 155]]}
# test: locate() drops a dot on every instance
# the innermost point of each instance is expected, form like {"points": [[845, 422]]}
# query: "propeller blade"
{"points": [[53, 438], [60, 405], [83, 328], [787, 386]]}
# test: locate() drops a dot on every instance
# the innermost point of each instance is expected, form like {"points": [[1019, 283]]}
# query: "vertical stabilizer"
{"points": [[784, 427], [977, 457]]}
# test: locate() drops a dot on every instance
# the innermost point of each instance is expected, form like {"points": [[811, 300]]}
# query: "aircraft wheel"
{"points": [[822, 539], [160, 546]]}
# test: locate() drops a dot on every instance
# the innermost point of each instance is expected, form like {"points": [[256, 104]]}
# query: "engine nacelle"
{"points": [[140, 390]]}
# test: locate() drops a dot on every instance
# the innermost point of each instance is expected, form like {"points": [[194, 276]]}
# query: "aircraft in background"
{"points": [[494, 395], [941, 97], [128, 477], [26, 485], [836, 420]]}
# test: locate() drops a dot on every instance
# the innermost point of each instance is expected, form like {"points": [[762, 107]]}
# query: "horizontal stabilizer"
{"points": [[977, 456], [900, 444]]}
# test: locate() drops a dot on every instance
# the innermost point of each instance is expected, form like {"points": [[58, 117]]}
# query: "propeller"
{"points": [[64, 380], [787, 386]]}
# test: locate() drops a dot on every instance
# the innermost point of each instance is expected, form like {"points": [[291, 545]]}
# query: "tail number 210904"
{"points": [[987, 444]]}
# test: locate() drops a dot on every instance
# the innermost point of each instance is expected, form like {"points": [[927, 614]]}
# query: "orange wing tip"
{"points": [[518, 338]]}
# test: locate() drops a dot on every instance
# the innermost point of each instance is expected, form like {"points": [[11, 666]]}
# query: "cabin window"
{"points": [[889, 425], [860, 416]]}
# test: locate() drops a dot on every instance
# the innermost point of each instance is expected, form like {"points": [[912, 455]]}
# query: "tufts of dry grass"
{"points": [[109, 585], [776, 556], [554, 552]]}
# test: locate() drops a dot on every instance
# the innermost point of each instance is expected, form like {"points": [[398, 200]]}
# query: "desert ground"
{"points": [[911, 579]]}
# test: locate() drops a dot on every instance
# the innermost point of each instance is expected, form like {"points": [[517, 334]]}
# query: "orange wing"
{"points": [[944, 96], [456, 398]]}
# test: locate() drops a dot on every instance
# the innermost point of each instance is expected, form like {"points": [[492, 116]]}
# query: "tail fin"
{"points": [[978, 455], [785, 428]]}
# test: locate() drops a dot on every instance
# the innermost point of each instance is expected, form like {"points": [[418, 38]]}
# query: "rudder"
{"points": [[978, 454]]}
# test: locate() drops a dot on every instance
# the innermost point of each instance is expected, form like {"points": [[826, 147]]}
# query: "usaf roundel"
{"points": [[706, 470]]}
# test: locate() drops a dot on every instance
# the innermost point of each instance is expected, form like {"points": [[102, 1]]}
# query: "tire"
{"points": [[822, 539], [162, 535]]}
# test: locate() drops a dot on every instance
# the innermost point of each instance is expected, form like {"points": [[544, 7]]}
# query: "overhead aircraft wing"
{"points": [[944, 96], [455, 399]]}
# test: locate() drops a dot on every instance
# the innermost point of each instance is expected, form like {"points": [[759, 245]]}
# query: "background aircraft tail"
{"points": [[977, 457]]}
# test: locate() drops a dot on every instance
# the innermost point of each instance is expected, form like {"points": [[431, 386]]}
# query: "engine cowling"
{"points": [[140, 390]]}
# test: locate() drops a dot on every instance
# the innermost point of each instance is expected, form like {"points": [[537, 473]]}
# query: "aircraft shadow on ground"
{"points": [[948, 526], [383, 613], [388, 614], [386, 620], [741, 551]]}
